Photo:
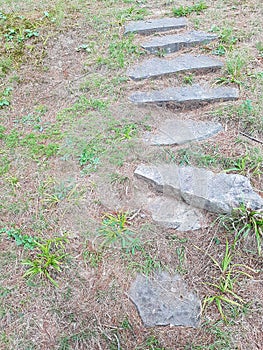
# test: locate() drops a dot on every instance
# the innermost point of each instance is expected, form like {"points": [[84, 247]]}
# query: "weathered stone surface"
{"points": [[185, 95], [165, 178], [178, 132], [173, 43], [155, 67], [155, 25], [178, 215], [219, 193], [165, 300]]}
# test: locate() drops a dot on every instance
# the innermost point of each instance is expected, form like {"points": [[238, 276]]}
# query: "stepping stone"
{"points": [[155, 25], [174, 214], [156, 67], [173, 43], [164, 300], [186, 95], [201, 188], [178, 132]]}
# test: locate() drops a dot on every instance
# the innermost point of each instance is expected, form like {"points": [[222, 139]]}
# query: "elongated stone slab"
{"points": [[178, 132], [185, 95], [219, 193], [174, 214], [155, 25], [173, 43], [164, 299], [156, 67]]}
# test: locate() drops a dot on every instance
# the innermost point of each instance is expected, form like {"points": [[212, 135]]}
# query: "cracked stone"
{"points": [[178, 132], [164, 299], [186, 95], [155, 67], [173, 43], [155, 25], [174, 214], [201, 188]]}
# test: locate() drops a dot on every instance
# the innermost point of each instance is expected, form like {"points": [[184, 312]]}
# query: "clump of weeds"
{"points": [[187, 10], [224, 288]]}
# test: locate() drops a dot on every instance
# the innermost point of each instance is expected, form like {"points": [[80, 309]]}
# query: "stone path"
{"points": [[183, 193], [165, 300], [178, 132], [155, 25], [173, 43], [156, 67], [187, 95], [201, 188]]}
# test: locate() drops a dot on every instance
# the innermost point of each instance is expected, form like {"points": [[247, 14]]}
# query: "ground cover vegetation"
{"points": [[73, 234]]}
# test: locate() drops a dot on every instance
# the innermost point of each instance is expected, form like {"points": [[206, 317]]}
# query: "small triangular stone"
{"points": [[174, 214], [201, 188], [156, 67], [173, 43], [164, 299], [155, 25], [185, 95], [178, 132]]}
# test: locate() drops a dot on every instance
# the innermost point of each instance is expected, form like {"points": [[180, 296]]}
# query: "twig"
{"points": [[251, 137], [118, 342]]}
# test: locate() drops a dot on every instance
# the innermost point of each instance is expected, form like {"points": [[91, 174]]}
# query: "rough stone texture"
{"points": [[164, 178], [164, 300], [178, 215], [155, 25], [173, 43], [185, 95], [178, 132], [155, 67], [219, 193]]}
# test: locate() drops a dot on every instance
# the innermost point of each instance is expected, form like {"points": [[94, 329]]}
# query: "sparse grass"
{"points": [[234, 69], [245, 223], [225, 285], [187, 10], [115, 230], [227, 40], [49, 258], [249, 163]]}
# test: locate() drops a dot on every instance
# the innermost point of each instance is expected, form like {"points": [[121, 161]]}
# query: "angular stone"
{"points": [[178, 215], [187, 95], [155, 67], [155, 25], [178, 132], [201, 188], [165, 300], [165, 178], [173, 43]]}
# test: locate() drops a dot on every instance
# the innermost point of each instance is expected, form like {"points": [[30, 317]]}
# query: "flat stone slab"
{"points": [[155, 25], [156, 67], [174, 214], [164, 300], [201, 188], [173, 43], [178, 132], [186, 95]]}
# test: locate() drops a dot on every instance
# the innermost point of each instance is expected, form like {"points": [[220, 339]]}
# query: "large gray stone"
{"points": [[188, 95], [219, 193], [173, 43], [178, 132], [165, 300], [155, 67], [155, 25], [164, 178], [174, 214]]}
